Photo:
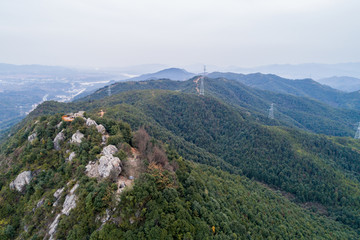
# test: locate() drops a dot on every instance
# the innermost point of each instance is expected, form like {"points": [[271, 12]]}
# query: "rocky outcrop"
{"points": [[76, 137], [109, 165], [71, 156], [21, 181], [109, 150], [69, 204], [101, 129], [58, 139], [57, 195], [53, 226], [90, 122], [32, 137], [59, 124], [78, 114]]}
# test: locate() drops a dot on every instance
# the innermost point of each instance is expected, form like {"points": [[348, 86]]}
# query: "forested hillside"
{"points": [[292, 111], [172, 197], [299, 87]]}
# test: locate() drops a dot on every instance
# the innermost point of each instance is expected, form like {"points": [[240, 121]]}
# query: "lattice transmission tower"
{"points": [[357, 134], [109, 90], [271, 111], [202, 90]]}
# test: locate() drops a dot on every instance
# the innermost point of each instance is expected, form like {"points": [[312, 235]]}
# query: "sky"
{"points": [[118, 33]]}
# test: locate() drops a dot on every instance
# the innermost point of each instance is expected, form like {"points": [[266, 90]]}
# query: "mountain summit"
{"points": [[169, 73]]}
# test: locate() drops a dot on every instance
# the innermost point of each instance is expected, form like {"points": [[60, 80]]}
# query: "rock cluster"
{"points": [[21, 181], [90, 122], [69, 204], [100, 128]]}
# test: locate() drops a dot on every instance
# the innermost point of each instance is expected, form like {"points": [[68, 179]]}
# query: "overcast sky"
{"points": [[113, 33]]}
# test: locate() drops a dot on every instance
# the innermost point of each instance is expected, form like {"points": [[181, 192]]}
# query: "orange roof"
{"points": [[67, 118]]}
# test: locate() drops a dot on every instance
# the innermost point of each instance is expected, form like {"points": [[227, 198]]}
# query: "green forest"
{"points": [[208, 168]]}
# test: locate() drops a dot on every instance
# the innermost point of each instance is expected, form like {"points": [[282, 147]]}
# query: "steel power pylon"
{"points": [[109, 90], [271, 111], [357, 134], [202, 90]]}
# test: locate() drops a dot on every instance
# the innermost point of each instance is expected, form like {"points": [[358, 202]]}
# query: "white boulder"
{"points": [[32, 137], [21, 181], [90, 122], [109, 150], [101, 129], [76, 137], [71, 156], [109, 164]]}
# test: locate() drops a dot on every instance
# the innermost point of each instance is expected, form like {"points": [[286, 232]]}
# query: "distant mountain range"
{"points": [[170, 73], [347, 84], [307, 70], [302, 88]]}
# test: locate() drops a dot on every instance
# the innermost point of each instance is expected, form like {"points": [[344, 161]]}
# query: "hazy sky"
{"points": [[178, 32]]}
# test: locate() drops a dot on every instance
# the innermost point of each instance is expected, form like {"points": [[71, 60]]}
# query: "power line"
{"points": [[271, 111], [202, 90], [109, 90], [357, 134]]}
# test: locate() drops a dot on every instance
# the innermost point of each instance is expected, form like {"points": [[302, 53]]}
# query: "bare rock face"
{"points": [[101, 129], [71, 156], [70, 201], [21, 181], [90, 122], [76, 137], [58, 139], [32, 137], [109, 165], [109, 150], [92, 169]]}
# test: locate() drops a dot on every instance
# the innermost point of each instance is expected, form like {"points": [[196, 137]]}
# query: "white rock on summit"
{"points": [[90, 122], [109, 164], [76, 137], [109, 150], [59, 138], [21, 181], [79, 114]]}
